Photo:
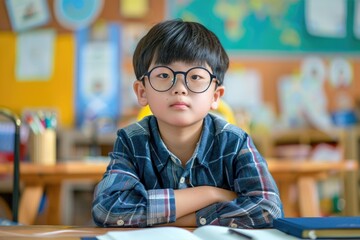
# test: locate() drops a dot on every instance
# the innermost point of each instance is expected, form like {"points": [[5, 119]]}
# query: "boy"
{"points": [[183, 166]]}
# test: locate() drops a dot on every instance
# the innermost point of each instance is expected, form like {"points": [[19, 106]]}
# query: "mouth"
{"points": [[179, 105]]}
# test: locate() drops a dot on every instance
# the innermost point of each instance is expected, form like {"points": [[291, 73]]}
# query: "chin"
{"points": [[183, 122]]}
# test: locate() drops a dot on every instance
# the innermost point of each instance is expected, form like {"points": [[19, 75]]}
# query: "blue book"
{"points": [[320, 227]]}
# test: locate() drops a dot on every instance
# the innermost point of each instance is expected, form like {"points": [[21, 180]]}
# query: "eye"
{"points": [[163, 75], [195, 77]]}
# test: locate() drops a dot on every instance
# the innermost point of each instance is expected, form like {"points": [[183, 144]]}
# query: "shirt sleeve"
{"points": [[258, 201], [121, 200]]}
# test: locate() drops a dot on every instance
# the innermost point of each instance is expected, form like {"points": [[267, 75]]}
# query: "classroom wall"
{"points": [[58, 91], [272, 68]]}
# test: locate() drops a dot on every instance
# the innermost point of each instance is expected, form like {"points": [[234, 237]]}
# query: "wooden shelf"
{"points": [[78, 144], [347, 139]]}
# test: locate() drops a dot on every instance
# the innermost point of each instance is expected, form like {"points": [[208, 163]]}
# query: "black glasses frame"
{"points": [[174, 80]]}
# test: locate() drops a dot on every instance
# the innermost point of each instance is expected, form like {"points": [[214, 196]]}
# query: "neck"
{"points": [[181, 141]]}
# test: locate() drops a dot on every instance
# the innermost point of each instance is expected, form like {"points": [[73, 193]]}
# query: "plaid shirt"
{"points": [[137, 189]]}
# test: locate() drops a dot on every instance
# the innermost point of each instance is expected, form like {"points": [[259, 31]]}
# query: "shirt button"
{"points": [[120, 222], [202, 221], [182, 180], [233, 225]]}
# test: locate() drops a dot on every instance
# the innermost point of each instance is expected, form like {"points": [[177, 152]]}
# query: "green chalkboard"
{"points": [[244, 25]]}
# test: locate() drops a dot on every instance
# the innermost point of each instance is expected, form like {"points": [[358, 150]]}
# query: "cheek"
{"points": [[204, 103], [156, 101]]}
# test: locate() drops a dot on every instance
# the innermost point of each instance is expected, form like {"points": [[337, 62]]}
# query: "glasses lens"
{"points": [[198, 80], [161, 78]]}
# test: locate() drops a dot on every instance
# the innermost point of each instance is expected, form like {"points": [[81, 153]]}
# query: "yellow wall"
{"points": [[57, 92]]}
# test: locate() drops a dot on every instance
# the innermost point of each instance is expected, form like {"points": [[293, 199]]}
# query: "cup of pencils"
{"points": [[42, 139]]}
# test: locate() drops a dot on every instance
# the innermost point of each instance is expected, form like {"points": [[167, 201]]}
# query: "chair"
{"points": [[16, 185], [224, 110]]}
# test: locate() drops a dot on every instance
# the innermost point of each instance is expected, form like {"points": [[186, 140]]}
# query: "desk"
{"points": [[287, 173], [54, 232], [39, 179], [157, 232], [304, 175]]}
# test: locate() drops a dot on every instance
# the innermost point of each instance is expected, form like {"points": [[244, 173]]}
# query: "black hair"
{"points": [[178, 40]]}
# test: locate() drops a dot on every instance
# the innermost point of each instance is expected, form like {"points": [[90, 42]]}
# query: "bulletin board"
{"points": [[58, 92], [272, 69]]}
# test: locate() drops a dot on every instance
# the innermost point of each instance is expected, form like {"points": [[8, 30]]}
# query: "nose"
{"points": [[179, 86]]}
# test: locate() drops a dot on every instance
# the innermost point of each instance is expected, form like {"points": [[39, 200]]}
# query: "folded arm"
{"points": [[258, 201], [190, 200]]}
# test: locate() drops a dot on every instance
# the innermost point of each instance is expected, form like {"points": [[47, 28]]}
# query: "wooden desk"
{"points": [[303, 175], [55, 232], [37, 179], [287, 173]]}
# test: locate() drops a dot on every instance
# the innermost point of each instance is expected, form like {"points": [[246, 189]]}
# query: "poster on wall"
{"points": [[326, 23], [357, 19], [27, 14], [243, 89], [35, 55], [98, 86], [77, 14], [302, 98], [134, 8]]}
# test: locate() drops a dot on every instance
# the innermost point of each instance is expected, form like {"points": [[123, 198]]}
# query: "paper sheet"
{"points": [[326, 18], [243, 89], [134, 8], [35, 55], [26, 14], [357, 19], [208, 232]]}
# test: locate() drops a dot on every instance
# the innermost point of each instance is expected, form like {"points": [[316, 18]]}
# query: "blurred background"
{"points": [[293, 82]]}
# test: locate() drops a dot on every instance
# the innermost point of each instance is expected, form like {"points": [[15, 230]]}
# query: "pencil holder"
{"points": [[43, 147]]}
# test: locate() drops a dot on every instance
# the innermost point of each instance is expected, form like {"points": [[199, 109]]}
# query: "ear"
{"points": [[140, 93], [219, 92]]}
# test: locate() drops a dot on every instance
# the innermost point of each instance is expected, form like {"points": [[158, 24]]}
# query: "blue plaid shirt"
{"points": [[137, 189]]}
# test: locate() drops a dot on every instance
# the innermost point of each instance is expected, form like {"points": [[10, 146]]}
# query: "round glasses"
{"points": [[162, 78]]}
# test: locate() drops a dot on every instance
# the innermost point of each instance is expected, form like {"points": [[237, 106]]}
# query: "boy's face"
{"points": [[178, 106]]}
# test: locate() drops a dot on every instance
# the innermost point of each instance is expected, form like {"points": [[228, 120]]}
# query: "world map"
{"points": [[260, 25], [242, 23]]}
